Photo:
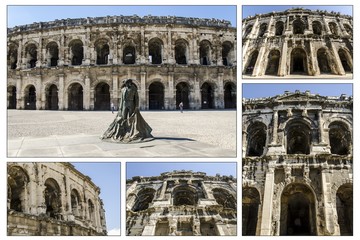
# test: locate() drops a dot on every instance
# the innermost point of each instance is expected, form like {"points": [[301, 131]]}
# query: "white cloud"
{"points": [[114, 231]]}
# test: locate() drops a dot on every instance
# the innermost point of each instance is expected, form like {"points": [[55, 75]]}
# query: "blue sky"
{"points": [[257, 90], [105, 175], [147, 169], [38, 13], [249, 10]]}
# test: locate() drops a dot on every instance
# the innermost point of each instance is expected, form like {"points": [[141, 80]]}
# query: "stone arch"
{"points": [[52, 196], [248, 30], [262, 30], [75, 202], [227, 53], [11, 97], [12, 56], [346, 59], [102, 96], [230, 95], [339, 138], [250, 210], [298, 210], [181, 51], [91, 210], [31, 55], [182, 94], [344, 209], [279, 28], [155, 50], [30, 97], [323, 60], [298, 26], [298, 61], [129, 54], [76, 52], [75, 96], [256, 139], [298, 137], [250, 65], [102, 50], [317, 28], [205, 52], [156, 95], [18, 179], [143, 199], [184, 195], [207, 95], [333, 28], [273, 62], [52, 54], [52, 98], [348, 29], [224, 198]]}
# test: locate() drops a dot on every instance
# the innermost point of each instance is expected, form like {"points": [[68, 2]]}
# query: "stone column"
{"points": [[220, 92], [143, 100], [169, 94], [163, 190], [258, 68], [283, 60], [38, 92], [115, 89], [275, 127], [268, 30], [19, 62], [19, 93], [337, 60], [61, 92], [207, 193], [329, 210], [244, 143], [195, 50], [321, 128], [266, 220], [62, 48], [287, 23], [39, 52], [254, 31], [195, 95], [327, 29], [312, 63], [86, 94], [143, 58], [68, 212]]}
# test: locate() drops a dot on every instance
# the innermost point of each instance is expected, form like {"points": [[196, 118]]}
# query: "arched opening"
{"points": [[52, 99], [155, 51], [207, 96], [156, 96], [298, 61], [344, 208], [224, 198], [12, 56], [52, 195], [162, 228], [256, 139], [129, 55], [333, 28], [345, 60], [348, 29], [75, 203], [251, 62], [298, 27], [102, 52], [75, 97], [248, 31], [323, 62], [31, 55], [144, 199], [250, 210], [52, 54], [17, 182], [262, 30], [273, 63], [102, 97], [11, 95], [298, 216], [340, 138], [227, 51], [76, 52], [230, 95], [91, 211], [317, 28], [185, 195], [30, 97], [181, 51], [298, 137], [279, 28], [205, 52], [182, 95]]}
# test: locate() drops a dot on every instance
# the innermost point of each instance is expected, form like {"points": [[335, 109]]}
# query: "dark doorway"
{"points": [[129, 55], [273, 63], [52, 99], [207, 96], [250, 209], [102, 97], [298, 61], [75, 97], [230, 95], [345, 61], [156, 96], [344, 208], [251, 62], [11, 91], [323, 62], [30, 98], [182, 95]]}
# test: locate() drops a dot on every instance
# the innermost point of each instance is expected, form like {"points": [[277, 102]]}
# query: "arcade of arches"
{"points": [[288, 151], [181, 203]]}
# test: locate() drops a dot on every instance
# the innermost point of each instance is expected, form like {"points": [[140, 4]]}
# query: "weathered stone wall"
{"points": [[297, 41], [181, 203], [80, 64], [297, 165], [52, 199]]}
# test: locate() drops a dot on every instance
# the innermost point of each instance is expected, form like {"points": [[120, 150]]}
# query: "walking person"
{"points": [[181, 106], [112, 108]]}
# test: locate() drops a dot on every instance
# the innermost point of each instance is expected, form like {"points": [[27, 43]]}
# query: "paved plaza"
{"points": [[76, 134]]}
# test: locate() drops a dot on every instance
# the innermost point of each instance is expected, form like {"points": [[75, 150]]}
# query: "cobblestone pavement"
{"points": [[76, 133]]}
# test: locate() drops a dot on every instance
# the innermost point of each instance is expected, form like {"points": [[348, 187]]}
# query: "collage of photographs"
{"points": [[123, 120]]}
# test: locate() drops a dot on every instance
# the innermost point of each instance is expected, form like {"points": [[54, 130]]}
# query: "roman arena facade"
{"points": [[80, 64]]}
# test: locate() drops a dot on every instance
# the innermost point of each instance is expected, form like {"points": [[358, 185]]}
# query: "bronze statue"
{"points": [[128, 125]]}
